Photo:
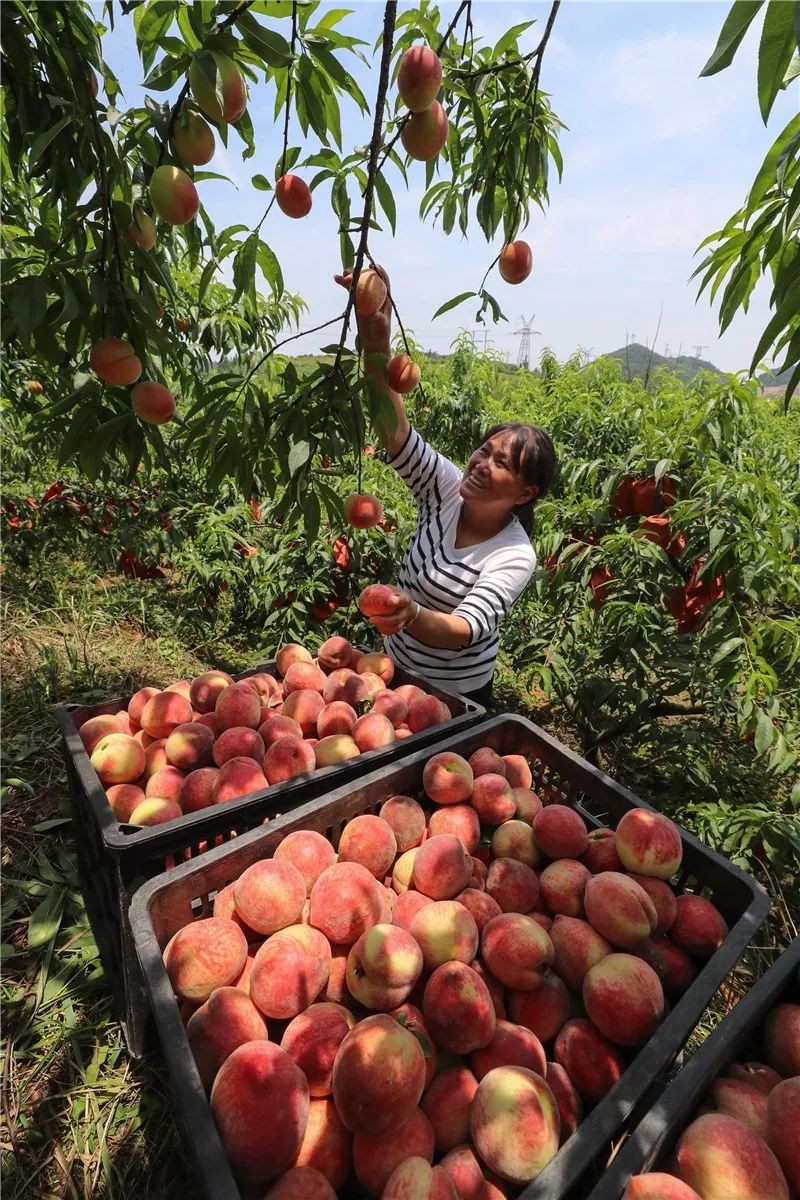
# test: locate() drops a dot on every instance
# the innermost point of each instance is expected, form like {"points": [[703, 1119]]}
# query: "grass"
{"points": [[81, 1119]]}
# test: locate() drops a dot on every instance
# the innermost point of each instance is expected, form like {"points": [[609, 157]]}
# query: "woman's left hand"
{"points": [[405, 611]]}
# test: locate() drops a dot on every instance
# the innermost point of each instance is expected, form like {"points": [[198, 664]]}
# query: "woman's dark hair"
{"points": [[533, 456]]}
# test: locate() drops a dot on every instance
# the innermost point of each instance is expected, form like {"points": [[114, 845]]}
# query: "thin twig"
{"points": [[286, 115], [277, 345]]}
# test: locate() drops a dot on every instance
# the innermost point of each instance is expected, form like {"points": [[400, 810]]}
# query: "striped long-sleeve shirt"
{"points": [[478, 583]]}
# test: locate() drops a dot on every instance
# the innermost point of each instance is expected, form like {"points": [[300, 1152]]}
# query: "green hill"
{"points": [[637, 359]]}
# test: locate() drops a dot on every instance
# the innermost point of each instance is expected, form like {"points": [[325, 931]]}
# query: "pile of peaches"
{"points": [[426, 1010]]}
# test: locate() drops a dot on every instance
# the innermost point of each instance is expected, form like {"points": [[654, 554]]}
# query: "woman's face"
{"points": [[489, 476]]}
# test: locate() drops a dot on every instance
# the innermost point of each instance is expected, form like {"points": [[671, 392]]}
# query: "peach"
{"points": [[543, 919], [593, 1064], [375, 1158], [368, 840], [123, 798], [416, 1179], [446, 1104], [514, 1122], [447, 778], [699, 928], [516, 950], [264, 685], [424, 134], [313, 1038], [376, 664], [388, 704], [336, 717], [565, 1094], [173, 195], [408, 691], [528, 804], [335, 653], [382, 967], [656, 1185], [289, 971], [419, 78], [618, 908], [260, 1103], [623, 997], [155, 756], [118, 758], [237, 777], [339, 747], [115, 362], [425, 712], [562, 886], [442, 867], [345, 902], [649, 843], [544, 1010], [193, 138], [458, 1009], [166, 784], [370, 294], [293, 196], [155, 810], [758, 1075], [218, 87], [224, 906], [406, 907], [206, 954], [446, 931], [485, 761], [378, 1076], [517, 772], [515, 262], [742, 1102], [208, 719], [663, 898], [362, 510], [513, 885], [227, 1019], [237, 705], [577, 947], [722, 1158], [495, 988], [403, 872], [467, 1175], [601, 853], [406, 819], [492, 799], [480, 873], [481, 906], [336, 989], [401, 732], [288, 758], [152, 402], [289, 654], [301, 1183], [783, 1122], [403, 374], [96, 728], [310, 852], [781, 1036], [326, 1143], [349, 688], [514, 839], [560, 832], [181, 686], [239, 741], [269, 895], [278, 726], [461, 821], [304, 706], [137, 702], [372, 731], [511, 1046], [189, 746]]}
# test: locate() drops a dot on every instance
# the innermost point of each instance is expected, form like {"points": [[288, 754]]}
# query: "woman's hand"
{"points": [[405, 610], [375, 331]]}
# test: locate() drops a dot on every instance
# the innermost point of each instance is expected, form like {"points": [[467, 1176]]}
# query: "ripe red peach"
{"points": [[370, 296], [326, 1143], [492, 799], [362, 510], [514, 1122], [466, 1173], [155, 810], [137, 702], [206, 954], [225, 906], [237, 777], [403, 374], [562, 886], [565, 1094], [227, 1019], [560, 832], [513, 885], [447, 777], [189, 746], [419, 78], [744, 1103], [208, 719], [309, 851], [781, 1038], [118, 758], [458, 1009], [649, 843], [425, 712], [442, 867], [237, 705], [347, 687], [382, 967], [480, 873], [375, 1158], [515, 839], [205, 689], [403, 872], [416, 1179], [115, 362], [494, 986], [656, 1185], [517, 771], [278, 726], [593, 1064], [289, 654], [304, 706], [623, 997], [339, 747], [480, 905], [123, 798], [336, 989], [260, 1103], [303, 676], [313, 1038], [663, 898], [528, 804], [618, 908], [334, 718], [699, 927], [544, 1010], [368, 840], [486, 761], [783, 1122], [402, 731], [166, 784], [378, 1076], [301, 1183], [269, 895], [410, 1017], [264, 685], [289, 971], [720, 1157], [372, 731], [461, 821], [516, 950], [96, 728], [335, 653], [601, 853], [757, 1074], [409, 691], [516, 261], [376, 664], [155, 757], [446, 1104], [388, 704], [423, 134], [345, 902], [288, 758], [446, 931], [239, 741], [577, 947], [406, 819], [512, 1046], [406, 907]]}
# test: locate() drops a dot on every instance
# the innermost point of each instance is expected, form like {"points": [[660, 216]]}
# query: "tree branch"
{"points": [[283, 342], [635, 720], [285, 117]]}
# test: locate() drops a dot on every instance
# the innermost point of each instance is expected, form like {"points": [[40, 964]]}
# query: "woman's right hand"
{"points": [[374, 331]]}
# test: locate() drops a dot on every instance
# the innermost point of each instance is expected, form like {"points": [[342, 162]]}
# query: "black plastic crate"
{"points": [[164, 905], [734, 1038], [114, 858]]}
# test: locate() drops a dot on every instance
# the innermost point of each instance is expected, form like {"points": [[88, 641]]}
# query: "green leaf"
{"points": [[46, 918], [456, 300], [733, 30], [726, 648], [261, 183], [270, 45], [168, 72], [44, 139], [27, 303], [774, 52], [244, 267], [299, 455], [386, 199], [765, 733]]}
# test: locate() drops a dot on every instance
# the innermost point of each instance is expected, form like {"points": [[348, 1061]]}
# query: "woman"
{"points": [[470, 556]]}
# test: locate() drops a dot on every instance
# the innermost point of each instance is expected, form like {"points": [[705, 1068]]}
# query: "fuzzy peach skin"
{"points": [[560, 832], [461, 821], [664, 899], [480, 906], [118, 758], [671, 964], [369, 840], [783, 1123], [517, 770], [345, 902], [447, 778], [375, 1158], [516, 950], [515, 1123], [313, 1039], [648, 843], [96, 728], [458, 1009], [383, 966], [442, 867], [309, 851], [742, 1102], [378, 1076], [619, 909], [782, 1039], [406, 818], [446, 1104], [301, 1183], [269, 895], [570, 1105], [513, 885], [469, 1176], [227, 1019], [622, 995], [544, 1010], [562, 885], [291, 653], [410, 1017], [493, 799], [699, 927], [601, 853], [725, 1160], [445, 931], [326, 1144], [658, 1186], [204, 955], [416, 1179], [512, 1046], [593, 1064], [406, 907], [289, 971], [515, 839], [758, 1075]]}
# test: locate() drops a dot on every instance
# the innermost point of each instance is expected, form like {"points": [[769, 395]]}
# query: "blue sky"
{"points": [[655, 159]]}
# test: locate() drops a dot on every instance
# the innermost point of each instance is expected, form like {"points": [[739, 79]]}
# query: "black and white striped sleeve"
{"points": [[499, 584], [421, 467]]}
